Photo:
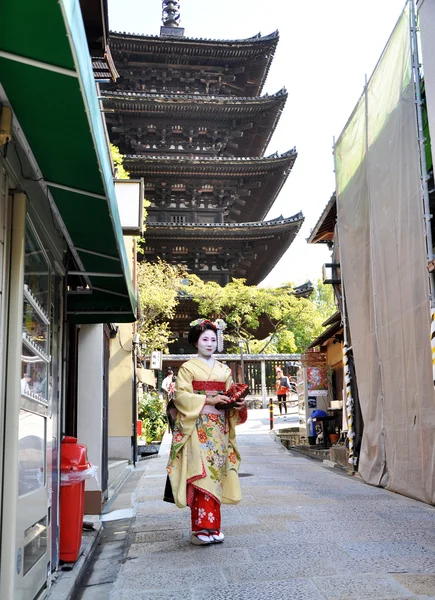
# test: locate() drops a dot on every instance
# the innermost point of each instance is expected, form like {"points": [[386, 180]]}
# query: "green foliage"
{"points": [[118, 160], [293, 322], [158, 285], [323, 298], [152, 413]]}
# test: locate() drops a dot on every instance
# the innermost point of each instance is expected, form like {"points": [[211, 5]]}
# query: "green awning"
{"points": [[46, 72]]}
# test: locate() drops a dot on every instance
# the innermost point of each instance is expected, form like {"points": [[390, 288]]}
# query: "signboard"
{"points": [[156, 360], [130, 197]]}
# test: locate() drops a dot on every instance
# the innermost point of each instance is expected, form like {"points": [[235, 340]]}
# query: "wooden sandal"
{"points": [[218, 536], [201, 538]]}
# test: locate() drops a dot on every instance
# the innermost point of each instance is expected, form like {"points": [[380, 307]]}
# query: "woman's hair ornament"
{"points": [[220, 326]]}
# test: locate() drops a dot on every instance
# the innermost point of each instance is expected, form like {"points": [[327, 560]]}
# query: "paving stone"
{"points": [[161, 525], [423, 585], [174, 579], [418, 564], [156, 547], [157, 595], [298, 589], [363, 564], [207, 556], [281, 568], [360, 586], [158, 536], [380, 549], [265, 552]]}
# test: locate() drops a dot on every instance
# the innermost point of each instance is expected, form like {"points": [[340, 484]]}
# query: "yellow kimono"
{"points": [[203, 452]]}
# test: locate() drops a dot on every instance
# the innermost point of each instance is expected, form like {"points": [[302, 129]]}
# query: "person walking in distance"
{"points": [[282, 386], [168, 385], [204, 459]]}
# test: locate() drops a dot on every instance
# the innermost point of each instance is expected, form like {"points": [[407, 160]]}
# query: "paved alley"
{"points": [[302, 531]]}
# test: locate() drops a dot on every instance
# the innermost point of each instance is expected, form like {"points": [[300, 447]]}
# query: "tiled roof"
{"points": [[213, 161], [323, 231], [261, 243], [258, 38], [194, 98], [256, 229]]}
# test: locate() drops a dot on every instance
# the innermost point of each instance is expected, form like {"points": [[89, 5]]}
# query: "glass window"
{"points": [[31, 452], [36, 269], [34, 370], [35, 543]]}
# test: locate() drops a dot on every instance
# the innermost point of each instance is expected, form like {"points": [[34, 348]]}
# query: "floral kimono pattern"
{"points": [[204, 454]]}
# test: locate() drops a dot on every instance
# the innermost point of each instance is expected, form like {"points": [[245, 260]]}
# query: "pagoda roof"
{"points": [[256, 52], [304, 290], [265, 112], [323, 231], [265, 175], [261, 244], [214, 164]]}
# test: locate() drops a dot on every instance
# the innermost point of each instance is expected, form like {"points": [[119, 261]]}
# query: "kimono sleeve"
{"points": [[187, 403]]}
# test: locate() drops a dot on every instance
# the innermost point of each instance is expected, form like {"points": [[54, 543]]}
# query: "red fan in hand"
{"points": [[236, 392]]}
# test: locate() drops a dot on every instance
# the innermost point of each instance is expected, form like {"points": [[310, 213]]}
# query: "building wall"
{"points": [[90, 406], [121, 393], [121, 380], [334, 354]]}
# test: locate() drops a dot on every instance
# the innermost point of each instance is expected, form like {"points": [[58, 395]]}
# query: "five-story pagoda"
{"points": [[189, 117]]}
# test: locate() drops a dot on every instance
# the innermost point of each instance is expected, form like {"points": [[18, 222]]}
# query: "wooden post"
{"points": [[271, 412]]}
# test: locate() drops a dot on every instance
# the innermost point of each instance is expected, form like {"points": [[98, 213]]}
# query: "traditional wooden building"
{"points": [[189, 117]]}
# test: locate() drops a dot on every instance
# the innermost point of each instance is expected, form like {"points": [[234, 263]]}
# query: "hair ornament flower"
{"points": [[200, 323], [220, 326]]}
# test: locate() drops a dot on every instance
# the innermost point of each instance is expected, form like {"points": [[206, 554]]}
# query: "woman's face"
{"points": [[207, 343]]}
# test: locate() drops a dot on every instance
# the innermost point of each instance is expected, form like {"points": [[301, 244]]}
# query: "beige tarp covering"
{"points": [[382, 246], [146, 376]]}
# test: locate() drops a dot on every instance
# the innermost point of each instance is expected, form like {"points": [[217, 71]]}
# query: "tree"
{"points": [[159, 285], [118, 160], [323, 298], [293, 322]]}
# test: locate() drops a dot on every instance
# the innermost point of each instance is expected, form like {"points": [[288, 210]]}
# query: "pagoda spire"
{"points": [[171, 13]]}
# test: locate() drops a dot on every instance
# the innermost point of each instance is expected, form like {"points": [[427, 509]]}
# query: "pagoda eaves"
{"points": [[142, 123], [241, 189], [181, 64], [219, 251]]}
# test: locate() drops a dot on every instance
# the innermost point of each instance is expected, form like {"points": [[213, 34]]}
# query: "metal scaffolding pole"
{"points": [[421, 144]]}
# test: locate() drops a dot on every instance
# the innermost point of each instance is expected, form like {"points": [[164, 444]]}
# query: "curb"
{"points": [[65, 581]]}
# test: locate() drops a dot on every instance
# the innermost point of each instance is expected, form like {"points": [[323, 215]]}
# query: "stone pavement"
{"points": [[302, 531]]}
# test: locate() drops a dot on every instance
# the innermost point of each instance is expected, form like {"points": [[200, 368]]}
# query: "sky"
{"points": [[325, 51]]}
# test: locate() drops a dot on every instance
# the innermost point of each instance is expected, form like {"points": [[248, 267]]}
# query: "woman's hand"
{"points": [[241, 404], [212, 400]]}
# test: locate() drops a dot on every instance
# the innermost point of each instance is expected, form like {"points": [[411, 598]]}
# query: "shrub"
{"points": [[151, 412]]}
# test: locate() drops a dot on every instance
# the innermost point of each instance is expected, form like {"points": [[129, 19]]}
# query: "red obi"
{"points": [[208, 386]]}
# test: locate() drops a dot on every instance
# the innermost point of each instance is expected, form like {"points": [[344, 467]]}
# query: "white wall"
{"points": [[90, 396]]}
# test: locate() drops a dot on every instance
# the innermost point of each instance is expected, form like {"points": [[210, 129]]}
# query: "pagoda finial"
{"points": [[170, 13]]}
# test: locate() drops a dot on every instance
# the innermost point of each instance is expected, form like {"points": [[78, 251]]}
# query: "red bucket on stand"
{"points": [[74, 463]]}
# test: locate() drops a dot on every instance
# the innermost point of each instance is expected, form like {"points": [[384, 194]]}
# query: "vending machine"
{"points": [[312, 385]]}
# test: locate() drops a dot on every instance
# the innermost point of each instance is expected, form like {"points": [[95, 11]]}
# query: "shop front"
{"points": [[62, 265]]}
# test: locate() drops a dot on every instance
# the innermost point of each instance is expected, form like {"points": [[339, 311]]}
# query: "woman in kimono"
{"points": [[204, 459]]}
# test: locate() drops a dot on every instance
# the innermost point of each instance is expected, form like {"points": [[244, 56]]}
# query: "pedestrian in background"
{"points": [[168, 385], [282, 386]]}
